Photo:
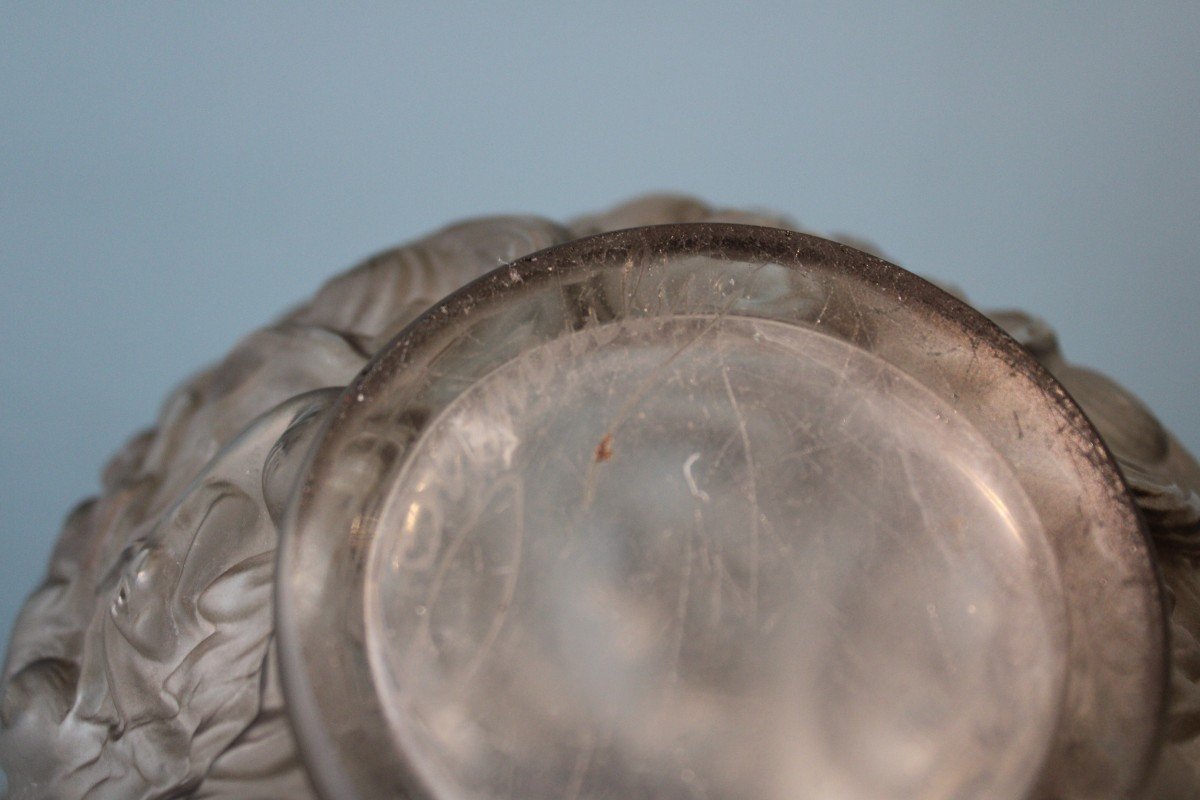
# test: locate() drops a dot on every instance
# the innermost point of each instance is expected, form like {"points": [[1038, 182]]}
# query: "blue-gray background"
{"points": [[172, 176]]}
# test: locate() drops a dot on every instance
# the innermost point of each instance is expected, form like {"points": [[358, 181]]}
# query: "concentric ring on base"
{"points": [[715, 511]]}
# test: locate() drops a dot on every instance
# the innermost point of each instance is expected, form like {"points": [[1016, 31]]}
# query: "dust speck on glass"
{"points": [[676, 502]]}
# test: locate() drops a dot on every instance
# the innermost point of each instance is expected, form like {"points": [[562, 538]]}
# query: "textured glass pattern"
{"points": [[148, 664]]}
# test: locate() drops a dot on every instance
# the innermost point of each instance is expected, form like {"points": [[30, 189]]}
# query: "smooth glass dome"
{"points": [[710, 557]]}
